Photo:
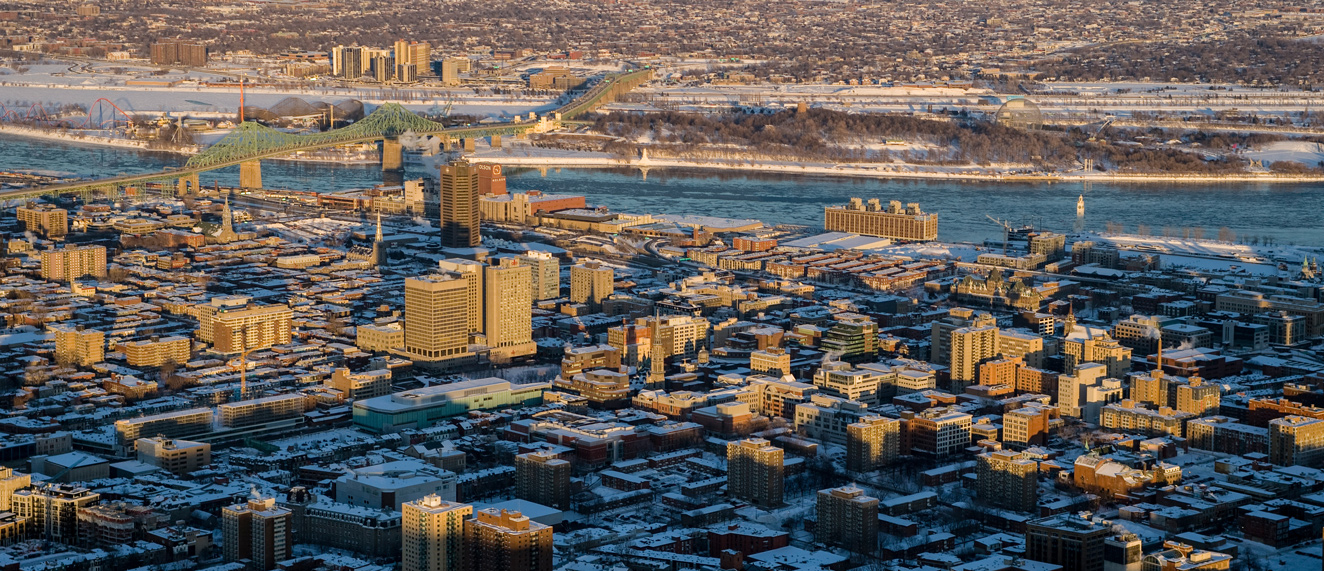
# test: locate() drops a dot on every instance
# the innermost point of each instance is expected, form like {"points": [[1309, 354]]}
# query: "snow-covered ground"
{"points": [[1307, 153]]}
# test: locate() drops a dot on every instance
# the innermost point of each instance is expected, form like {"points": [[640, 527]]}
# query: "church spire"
{"points": [[657, 375]]}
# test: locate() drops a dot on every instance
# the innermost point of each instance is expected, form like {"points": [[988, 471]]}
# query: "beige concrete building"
{"points": [[436, 318], [590, 283], [362, 385], [155, 352], [44, 219], [178, 424], [907, 223], [179, 457], [78, 346], [10, 482], [510, 541], [971, 346], [52, 510], [262, 410], [773, 361], [1297, 441], [546, 274], [471, 273], [252, 328], [755, 472], [872, 443], [72, 262], [1027, 346], [258, 531], [543, 478], [848, 518], [379, 338], [432, 534], [1008, 480], [508, 309]]}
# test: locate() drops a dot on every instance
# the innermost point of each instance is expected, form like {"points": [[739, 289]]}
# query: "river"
{"points": [[1289, 213]]}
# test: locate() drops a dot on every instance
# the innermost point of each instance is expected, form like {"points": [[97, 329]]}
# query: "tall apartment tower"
{"points": [[252, 328], [971, 346], [436, 318], [500, 539], [472, 274], [76, 345], [71, 262], [46, 220], [258, 531], [1008, 480], [543, 478], [755, 472], [848, 518], [590, 283], [52, 510], [872, 443], [773, 361], [432, 534], [508, 308], [940, 338], [1296, 441], [546, 274], [459, 206]]}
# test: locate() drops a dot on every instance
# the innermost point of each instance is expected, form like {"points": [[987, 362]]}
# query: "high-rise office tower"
{"points": [[259, 531], [543, 478], [471, 273], [872, 443], [755, 472], [76, 345], [508, 308], [1008, 480], [510, 541], [546, 274], [459, 205], [436, 317], [432, 534], [590, 283], [848, 518]]}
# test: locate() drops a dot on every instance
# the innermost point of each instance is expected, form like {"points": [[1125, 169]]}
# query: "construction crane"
{"points": [[1006, 232], [1108, 120]]}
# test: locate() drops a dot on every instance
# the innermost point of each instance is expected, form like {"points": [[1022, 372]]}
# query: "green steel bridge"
{"points": [[251, 142]]}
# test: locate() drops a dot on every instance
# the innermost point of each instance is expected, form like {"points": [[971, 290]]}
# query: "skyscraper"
{"points": [[510, 541], [432, 534], [755, 472], [459, 205], [542, 478], [508, 308], [848, 518], [436, 317], [259, 531], [590, 283], [872, 443], [970, 346]]}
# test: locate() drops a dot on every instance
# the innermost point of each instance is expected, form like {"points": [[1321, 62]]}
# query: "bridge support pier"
{"points": [[187, 185], [447, 144], [496, 141], [250, 175], [468, 144], [393, 155]]}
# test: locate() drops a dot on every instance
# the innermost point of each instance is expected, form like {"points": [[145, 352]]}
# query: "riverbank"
{"points": [[554, 158], [94, 140]]}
